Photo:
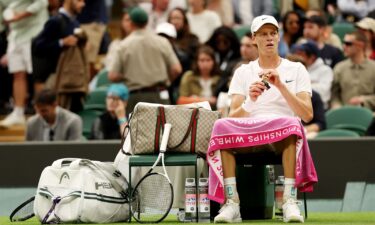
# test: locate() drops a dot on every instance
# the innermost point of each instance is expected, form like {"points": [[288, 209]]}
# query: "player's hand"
{"points": [[273, 77], [120, 109], [256, 89], [356, 100], [71, 40]]}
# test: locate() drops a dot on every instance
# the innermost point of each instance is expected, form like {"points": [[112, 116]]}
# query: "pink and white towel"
{"points": [[231, 133]]}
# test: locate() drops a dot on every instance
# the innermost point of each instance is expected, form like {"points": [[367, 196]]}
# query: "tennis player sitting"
{"points": [[266, 94]]}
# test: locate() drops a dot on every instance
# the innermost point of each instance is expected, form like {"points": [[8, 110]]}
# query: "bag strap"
{"points": [[159, 124], [191, 129]]}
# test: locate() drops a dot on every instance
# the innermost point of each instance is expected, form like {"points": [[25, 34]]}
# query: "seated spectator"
{"points": [[202, 22], [245, 11], [315, 30], [227, 54], [353, 82], [224, 9], [111, 124], [321, 75], [292, 31], [51, 122], [354, 10], [367, 27], [199, 84]]}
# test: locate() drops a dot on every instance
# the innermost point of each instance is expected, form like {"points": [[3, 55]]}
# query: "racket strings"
{"points": [[155, 198]]}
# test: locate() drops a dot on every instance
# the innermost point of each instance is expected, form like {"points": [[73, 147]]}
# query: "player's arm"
{"points": [[236, 109]]}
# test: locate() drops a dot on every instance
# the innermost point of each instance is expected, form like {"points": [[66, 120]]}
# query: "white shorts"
{"points": [[19, 57]]}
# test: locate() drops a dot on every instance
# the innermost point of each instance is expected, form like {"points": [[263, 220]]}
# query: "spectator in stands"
{"points": [[249, 49], [353, 81], [93, 20], [314, 29], [224, 9], [202, 22], [329, 36], [58, 33], [354, 10], [245, 11], [200, 84], [158, 14], [227, 54], [318, 122], [367, 27], [146, 63], [53, 7], [5, 77], [25, 19], [292, 31], [186, 43], [111, 124], [321, 75], [52, 123]]}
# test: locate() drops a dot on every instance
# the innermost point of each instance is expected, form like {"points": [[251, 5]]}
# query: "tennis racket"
{"points": [[24, 211], [152, 197]]}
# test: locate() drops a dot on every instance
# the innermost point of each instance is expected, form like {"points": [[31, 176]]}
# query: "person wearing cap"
{"points": [[353, 82], [289, 94], [367, 27], [321, 75], [111, 124], [51, 122], [314, 30], [145, 62]]}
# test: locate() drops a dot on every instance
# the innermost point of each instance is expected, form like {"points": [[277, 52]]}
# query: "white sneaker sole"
{"points": [[294, 219], [224, 220]]}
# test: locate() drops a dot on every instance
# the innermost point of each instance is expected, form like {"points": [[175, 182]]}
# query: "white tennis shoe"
{"points": [[292, 212], [229, 213]]}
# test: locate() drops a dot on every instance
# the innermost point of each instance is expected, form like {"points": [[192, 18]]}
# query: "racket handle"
{"points": [[164, 140]]}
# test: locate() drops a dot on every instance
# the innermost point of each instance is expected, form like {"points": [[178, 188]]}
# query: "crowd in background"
{"points": [[171, 52]]}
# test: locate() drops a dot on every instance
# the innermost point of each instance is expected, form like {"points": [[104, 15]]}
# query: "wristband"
{"points": [[122, 120], [248, 105]]}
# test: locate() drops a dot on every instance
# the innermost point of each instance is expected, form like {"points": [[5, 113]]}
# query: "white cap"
{"points": [[259, 21], [366, 23], [167, 29]]}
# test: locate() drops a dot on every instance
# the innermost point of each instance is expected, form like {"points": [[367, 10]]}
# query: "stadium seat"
{"points": [[96, 99], [342, 28], [336, 133], [353, 118], [88, 117], [241, 31], [103, 78]]}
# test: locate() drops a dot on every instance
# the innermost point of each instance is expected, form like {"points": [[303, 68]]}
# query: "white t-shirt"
{"points": [[271, 103], [203, 24]]}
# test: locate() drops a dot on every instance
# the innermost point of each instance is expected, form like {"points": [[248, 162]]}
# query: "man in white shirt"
{"points": [[202, 22], [321, 75], [289, 94]]}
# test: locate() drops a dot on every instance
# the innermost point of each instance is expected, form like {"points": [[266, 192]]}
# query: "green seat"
{"points": [[352, 118], [342, 28], [88, 117], [103, 78], [171, 159], [336, 133], [96, 99], [241, 31]]}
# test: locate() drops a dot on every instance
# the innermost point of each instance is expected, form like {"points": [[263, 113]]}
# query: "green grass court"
{"points": [[363, 218]]}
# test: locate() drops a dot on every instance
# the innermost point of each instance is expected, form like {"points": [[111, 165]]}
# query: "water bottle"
{"points": [[204, 202], [190, 200], [279, 192]]}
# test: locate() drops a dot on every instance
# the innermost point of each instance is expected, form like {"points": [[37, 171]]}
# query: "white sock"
{"points": [[19, 111], [230, 187], [290, 191]]}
